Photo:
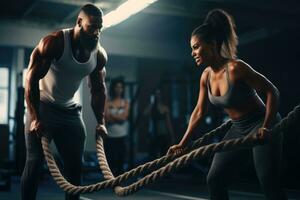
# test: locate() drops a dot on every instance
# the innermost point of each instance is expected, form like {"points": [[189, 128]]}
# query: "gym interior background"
{"points": [[151, 49]]}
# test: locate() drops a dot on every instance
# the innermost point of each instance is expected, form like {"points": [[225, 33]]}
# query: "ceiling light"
{"points": [[124, 11]]}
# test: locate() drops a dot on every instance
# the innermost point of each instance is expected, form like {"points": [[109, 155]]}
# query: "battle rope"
{"points": [[72, 189], [246, 142], [227, 145], [153, 164]]}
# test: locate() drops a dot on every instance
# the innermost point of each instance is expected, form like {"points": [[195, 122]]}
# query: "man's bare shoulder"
{"points": [[102, 56], [51, 45]]}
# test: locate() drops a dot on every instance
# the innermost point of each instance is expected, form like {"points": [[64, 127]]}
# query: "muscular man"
{"points": [[57, 66]]}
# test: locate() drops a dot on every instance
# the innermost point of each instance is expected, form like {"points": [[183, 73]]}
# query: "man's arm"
{"points": [[98, 88], [39, 65]]}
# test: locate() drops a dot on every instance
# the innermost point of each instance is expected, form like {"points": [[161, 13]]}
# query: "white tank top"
{"points": [[65, 75], [116, 130]]}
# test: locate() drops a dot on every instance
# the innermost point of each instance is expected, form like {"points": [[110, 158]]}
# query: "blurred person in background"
{"points": [[160, 126], [116, 116]]}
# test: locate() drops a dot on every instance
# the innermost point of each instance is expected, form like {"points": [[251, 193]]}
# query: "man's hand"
{"points": [[101, 131], [176, 149], [37, 128]]}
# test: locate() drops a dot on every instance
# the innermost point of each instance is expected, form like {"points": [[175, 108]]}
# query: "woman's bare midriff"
{"points": [[252, 105]]}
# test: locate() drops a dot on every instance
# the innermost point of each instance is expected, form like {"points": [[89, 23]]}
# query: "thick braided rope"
{"points": [[177, 163], [63, 183], [107, 173], [155, 163], [246, 142], [290, 120], [70, 188], [184, 160], [219, 131], [67, 186]]}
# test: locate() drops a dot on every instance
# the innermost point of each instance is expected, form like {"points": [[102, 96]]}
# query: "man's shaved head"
{"points": [[89, 25], [91, 10]]}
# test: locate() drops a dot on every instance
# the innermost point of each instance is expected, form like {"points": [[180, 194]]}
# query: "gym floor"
{"points": [[174, 187]]}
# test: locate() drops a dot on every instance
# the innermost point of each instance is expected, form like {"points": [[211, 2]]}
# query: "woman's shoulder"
{"points": [[205, 75], [237, 68], [236, 65]]}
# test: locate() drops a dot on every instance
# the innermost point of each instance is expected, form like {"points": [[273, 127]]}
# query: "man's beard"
{"points": [[87, 41]]}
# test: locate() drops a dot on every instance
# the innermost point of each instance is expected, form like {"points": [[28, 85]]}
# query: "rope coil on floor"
{"points": [[245, 142]]}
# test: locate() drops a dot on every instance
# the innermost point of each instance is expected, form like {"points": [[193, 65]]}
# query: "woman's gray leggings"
{"points": [[267, 159], [67, 129]]}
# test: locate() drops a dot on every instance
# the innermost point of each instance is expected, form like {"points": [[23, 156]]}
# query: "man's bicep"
{"points": [[102, 75], [96, 80], [38, 65], [42, 56], [100, 79]]}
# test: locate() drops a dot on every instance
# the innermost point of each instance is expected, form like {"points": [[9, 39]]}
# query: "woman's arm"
{"points": [[198, 113], [118, 117], [123, 116], [260, 83], [108, 116]]}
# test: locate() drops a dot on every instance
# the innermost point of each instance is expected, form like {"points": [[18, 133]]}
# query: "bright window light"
{"points": [[4, 80], [124, 11]]}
